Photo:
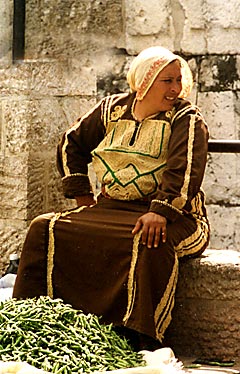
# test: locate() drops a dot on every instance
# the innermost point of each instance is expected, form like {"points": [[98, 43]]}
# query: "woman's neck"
{"points": [[142, 110]]}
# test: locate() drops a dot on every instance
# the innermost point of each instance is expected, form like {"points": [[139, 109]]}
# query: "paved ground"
{"points": [[208, 369]]}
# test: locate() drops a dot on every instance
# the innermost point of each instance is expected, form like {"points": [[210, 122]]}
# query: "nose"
{"points": [[175, 87]]}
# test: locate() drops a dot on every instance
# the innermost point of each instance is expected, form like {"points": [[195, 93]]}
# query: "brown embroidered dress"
{"points": [[88, 256]]}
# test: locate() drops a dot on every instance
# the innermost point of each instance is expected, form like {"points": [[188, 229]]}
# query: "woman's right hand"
{"points": [[154, 229], [85, 200]]}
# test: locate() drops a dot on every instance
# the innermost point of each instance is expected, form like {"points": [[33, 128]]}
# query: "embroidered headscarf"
{"points": [[148, 64]]}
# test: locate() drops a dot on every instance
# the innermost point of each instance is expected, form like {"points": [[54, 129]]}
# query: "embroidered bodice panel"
{"points": [[132, 157]]}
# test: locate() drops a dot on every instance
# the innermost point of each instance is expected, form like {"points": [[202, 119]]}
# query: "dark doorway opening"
{"points": [[18, 45]]}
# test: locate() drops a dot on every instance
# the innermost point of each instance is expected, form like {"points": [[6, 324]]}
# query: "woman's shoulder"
{"points": [[115, 106], [183, 104], [117, 99], [185, 107]]}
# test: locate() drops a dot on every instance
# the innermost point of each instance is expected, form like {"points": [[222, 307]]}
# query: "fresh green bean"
{"points": [[52, 336]]}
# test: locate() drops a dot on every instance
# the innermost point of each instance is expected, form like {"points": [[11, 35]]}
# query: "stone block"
{"points": [[30, 131], [218, 73], [15, 120], [111, 72], [225, 16], [44, 185], [221, 182], [49, 77], [13, 198], [37, 124], [47, 121], [225, 226], [220, 112], [6, 13], [54, 199], [135, 44], [190, 31], [194, 13], [14, 79], [14, 166], [12, 235], [210, 27], [206, 320], [147, 18], [76, 26], [193, 41], [237, 82], [74, 107], [148, 23], [223, 40]]}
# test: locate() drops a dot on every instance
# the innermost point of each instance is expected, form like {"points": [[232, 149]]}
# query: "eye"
{"points": [[167, 80]]}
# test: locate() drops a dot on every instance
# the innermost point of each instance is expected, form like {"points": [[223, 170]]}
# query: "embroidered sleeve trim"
{"points": [[74, 175], [180, 201], [164, 203]]}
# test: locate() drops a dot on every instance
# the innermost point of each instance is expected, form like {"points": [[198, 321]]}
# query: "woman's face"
{"points": [[166, 88]]}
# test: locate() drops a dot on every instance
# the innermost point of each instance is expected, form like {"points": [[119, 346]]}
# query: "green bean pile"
{"points": [[52, 336]]}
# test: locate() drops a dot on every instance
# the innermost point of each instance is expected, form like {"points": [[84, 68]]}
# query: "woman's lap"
{"points": [[96, 261]]}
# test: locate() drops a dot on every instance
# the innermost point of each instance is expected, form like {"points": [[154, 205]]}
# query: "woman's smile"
{"points": [[163, 93]]}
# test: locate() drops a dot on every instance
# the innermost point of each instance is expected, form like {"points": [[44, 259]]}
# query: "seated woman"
{"points": [[117, 256]]}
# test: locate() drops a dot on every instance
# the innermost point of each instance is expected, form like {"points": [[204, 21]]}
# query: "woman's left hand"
{"points": [[154, 229]]}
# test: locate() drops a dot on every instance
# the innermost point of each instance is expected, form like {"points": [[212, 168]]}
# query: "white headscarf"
{"points": [[148, 64]]}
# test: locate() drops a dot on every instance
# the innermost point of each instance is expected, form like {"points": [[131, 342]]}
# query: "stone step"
{"points": [[206, 316]]}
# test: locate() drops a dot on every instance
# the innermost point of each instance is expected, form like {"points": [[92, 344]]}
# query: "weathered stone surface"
{"points": [[225, 226], [222, 281], [75, 26], [148, 23], [221, 184], [13, 198], [193, 41], [210, 26], [206, 320], [218, 73], [194, 13], [74, 107], [15, 165], [220, 113], [193, 27], [15, 121], [193, 38], [44, 186], [52, 77], [12, 233], [225, 16], [147, 18], [6, 13], [237, 83], [231, 39]]}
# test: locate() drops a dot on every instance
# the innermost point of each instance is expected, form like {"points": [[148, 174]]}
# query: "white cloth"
{"points": [[6, 286], [148, 64], [6, 293]]}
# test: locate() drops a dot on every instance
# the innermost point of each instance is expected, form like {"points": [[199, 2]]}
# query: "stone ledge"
{"points": [[206, 318]]}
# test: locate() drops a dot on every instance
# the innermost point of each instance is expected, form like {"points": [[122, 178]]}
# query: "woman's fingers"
{"points": [[137, 227], [154, 229], [157, 237], [164, 235]]}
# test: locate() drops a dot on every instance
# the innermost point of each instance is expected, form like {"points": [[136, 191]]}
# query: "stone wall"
{"points": [[78, 51]]}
